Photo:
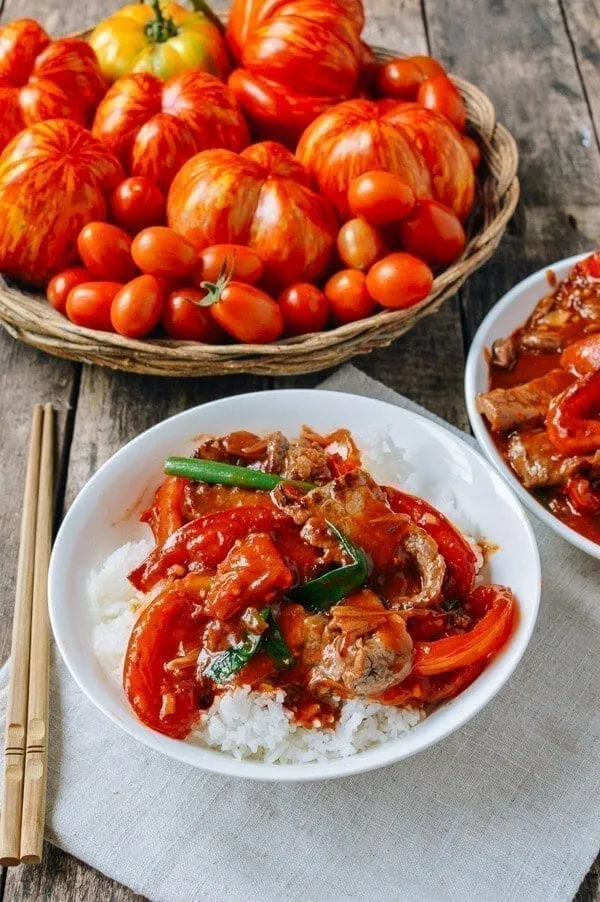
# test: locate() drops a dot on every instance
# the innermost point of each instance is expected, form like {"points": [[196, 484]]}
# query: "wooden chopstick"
{"points": [[36, 749], [27, 660]]}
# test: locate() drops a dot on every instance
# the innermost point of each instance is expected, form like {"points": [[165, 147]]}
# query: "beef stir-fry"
{"points": [[543, 407], [282, 565]]}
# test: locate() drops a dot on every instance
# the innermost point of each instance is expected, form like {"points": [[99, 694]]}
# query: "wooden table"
{"points": [[539, 63]]}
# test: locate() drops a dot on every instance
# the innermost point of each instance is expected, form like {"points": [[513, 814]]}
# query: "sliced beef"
{"points": [[522, 405], [430, 564], [306, 461], [543, 342], [537, 463], [504, 353], [277, 449]]}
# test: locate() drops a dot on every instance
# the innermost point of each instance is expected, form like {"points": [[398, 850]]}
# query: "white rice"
{"points": [[256, 725]]}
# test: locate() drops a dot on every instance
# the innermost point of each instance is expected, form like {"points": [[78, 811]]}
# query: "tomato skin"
{"points": [[137, 203], [105, 250], [136, 308], [473, 151], [399, 78], [439, 94], [399, 281], [183, 319], [433, 233], [359, 244], [304, 308], [380, 197], [348, 296], [89, 304], [248, 314], [160, 251], [241, 263], [59, 287]]}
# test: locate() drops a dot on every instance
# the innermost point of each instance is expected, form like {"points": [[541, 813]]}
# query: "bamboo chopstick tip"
{"points": [[9, 861]]}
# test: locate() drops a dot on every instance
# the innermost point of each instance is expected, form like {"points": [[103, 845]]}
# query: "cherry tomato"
{"points": [[160, 251], [304, 308], [359, 244], [137, 203], [240, 263], [399, 78], [399, 281], [89, 304], [472, 150], [440, 95], [348, 297], [433, 233], [184, 319], [59, 287], [380, 197], [137, 307], [105, 251], [247, 313]]}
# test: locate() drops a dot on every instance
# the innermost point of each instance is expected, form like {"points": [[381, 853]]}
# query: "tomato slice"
{"points": [[165, 516], [167, 700], [459, 556], [486, 637], [424, 690], [202, 543], [572, 422]]}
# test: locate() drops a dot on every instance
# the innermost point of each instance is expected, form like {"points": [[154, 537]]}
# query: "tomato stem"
{"points": [[161, 27], [214, 290], [199, 6]]}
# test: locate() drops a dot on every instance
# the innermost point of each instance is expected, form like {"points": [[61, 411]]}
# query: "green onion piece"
{"points": [[216, 473], [275, 645], [322, 593], [225, 664]]}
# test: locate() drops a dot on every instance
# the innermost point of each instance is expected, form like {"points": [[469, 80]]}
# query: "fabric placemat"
{"points": [[507, 808]]}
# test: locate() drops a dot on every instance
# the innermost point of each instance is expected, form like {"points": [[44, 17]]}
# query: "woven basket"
{"points": [[30, 318]]}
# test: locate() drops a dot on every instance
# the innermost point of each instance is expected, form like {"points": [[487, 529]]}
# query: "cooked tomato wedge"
{"points": [[475, 646], [165, 516], [203, 543], [165, 699], [454, 548]]}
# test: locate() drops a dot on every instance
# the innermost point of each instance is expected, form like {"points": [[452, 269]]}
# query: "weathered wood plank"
{"points": [[582, 18]]}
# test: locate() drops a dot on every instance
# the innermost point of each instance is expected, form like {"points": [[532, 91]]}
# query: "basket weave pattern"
{"points": [[30, 318]]}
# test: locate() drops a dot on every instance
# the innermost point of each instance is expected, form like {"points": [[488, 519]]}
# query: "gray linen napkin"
{"points": [[505, 809]]}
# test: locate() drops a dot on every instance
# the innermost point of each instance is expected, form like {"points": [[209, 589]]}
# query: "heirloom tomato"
{"points": [[260, 198], [399, 281], [440, 95], [162, 252], [419, 146], [137, 306], [54, 178], [105, 250], [137, 203], [163, 38], [433, 233], [154, 126], [297, 58], [89, 304], [184, 318], [43, 79], [305, 309], [359, 244], [348, 297], [61, 284]]}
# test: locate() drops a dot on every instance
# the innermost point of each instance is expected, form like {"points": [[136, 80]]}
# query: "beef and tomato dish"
{"points": [[543, 407], [282, 565]]}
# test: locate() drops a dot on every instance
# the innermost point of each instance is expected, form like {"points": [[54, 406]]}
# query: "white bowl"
{"points": [[507, 315], [105, 515]]}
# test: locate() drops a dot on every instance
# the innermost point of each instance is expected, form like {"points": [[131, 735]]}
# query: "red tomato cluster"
{"points": [[167, 219]]}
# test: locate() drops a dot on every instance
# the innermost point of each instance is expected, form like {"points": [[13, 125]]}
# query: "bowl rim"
{"points": [[378, 756], [481, 341]]}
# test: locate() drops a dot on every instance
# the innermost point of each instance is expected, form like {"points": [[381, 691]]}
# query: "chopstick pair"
{"points": [[26, 739]]}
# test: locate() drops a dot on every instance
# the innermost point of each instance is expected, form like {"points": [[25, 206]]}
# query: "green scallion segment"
{"points": [[227, 663], [217, 473], [275, 645], [322, 593]]}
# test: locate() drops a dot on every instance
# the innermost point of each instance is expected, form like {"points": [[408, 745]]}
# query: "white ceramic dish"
{"points": [[507, 315], [105, 515]]}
